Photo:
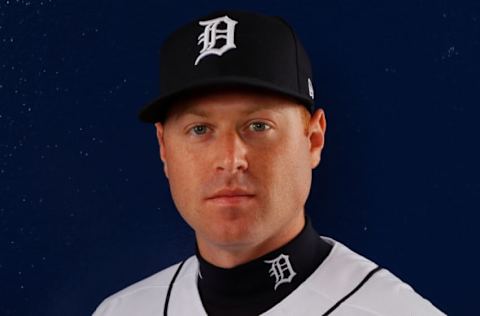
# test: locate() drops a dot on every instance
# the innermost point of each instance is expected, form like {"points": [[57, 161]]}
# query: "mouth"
{"points": [[231, 199]]}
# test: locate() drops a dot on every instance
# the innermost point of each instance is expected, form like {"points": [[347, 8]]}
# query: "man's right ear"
{"points": [[161, 143]]}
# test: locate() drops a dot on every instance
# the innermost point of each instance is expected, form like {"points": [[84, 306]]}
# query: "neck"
{"points": [[252, 288], [230, 256]]}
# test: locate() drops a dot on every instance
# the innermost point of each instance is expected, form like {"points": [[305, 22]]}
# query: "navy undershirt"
{"points": [[249, 289]]}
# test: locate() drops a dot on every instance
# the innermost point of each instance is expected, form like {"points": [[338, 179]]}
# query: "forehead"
{"points": [[235, 100]]}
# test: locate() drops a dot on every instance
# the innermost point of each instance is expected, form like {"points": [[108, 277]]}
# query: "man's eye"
{"points": [[259, 126], [199, 129]]}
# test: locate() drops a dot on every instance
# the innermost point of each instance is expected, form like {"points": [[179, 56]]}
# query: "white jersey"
{"points": [[345, 284]]}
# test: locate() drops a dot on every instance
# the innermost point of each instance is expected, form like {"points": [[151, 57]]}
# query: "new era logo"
{"points": [[310, 88]]}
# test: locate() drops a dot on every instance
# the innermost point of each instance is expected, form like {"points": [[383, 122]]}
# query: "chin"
{"points": [[231, 233]]}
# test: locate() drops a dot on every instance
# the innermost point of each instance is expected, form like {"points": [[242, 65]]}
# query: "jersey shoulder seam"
{"points": [[150, 282]]}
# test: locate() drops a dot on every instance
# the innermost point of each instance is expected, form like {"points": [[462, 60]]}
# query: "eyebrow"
{"points": [[203, 113], [193, 111]]}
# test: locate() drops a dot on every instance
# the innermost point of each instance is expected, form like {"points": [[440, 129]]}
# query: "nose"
{"points": [[231, 153]]}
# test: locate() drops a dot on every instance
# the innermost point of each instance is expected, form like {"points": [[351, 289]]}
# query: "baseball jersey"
{"points": [[344, 284]]}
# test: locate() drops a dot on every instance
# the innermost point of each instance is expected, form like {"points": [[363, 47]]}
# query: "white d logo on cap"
{"points": [[212, 33]]}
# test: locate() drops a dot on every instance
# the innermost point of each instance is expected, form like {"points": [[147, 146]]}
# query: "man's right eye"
{"points": [[199, 129]]}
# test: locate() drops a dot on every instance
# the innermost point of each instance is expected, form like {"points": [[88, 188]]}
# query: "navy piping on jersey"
{"points": [[170, 286], [367, 277]]}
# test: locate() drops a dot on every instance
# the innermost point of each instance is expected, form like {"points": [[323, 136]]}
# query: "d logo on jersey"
{"points": [[211, 35], [281, 269]]}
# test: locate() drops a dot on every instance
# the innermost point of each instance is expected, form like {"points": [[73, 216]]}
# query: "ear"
{"points": [[161, 143], [316, 135]]}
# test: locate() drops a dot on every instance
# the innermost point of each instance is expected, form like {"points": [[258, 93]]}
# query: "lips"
{"points": [[231, 196]]}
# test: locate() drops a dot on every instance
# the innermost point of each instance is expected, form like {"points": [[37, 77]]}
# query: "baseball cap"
{"points": [[232, 49]]}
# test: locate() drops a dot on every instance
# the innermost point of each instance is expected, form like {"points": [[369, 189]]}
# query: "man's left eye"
{"points": [[259, 126]]}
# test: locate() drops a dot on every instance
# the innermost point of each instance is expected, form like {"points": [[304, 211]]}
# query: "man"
{"points": [[239, 136]]}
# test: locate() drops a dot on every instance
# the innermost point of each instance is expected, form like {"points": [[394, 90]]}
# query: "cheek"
{"points": [[183, 172], [293, 174]]}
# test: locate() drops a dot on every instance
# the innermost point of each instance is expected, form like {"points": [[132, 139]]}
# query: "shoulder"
{"points": [[377, 292], [147, 295], [385, 294]]}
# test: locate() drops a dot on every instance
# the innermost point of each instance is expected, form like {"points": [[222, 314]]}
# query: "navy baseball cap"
{"points": [[232, 49]]}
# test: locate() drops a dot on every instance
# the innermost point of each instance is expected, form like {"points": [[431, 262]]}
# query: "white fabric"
{"points": [[383, 294]]}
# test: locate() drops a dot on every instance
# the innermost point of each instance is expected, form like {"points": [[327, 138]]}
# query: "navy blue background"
{"points": [[85, 209]]}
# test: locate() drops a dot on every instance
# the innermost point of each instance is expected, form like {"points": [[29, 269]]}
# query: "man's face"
{"points": [[251, 145]]}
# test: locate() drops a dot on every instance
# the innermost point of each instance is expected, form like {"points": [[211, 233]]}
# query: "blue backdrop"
{"points": [[85, 209]]}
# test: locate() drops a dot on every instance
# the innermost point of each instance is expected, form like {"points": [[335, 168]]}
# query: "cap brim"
{"points": [[155, 110]]}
